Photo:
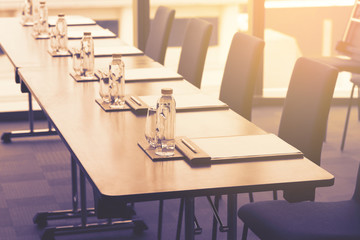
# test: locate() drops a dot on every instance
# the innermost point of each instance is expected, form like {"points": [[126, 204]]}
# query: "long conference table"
{"points": [[104, 144]]}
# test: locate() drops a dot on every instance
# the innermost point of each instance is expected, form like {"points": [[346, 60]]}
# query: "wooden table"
{"points": [[105, 148], [23, 51]]}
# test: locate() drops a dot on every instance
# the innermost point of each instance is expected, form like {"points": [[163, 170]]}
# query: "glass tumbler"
{"points": [[150, 126], [77, 61], [53, 42], [104, 86]]}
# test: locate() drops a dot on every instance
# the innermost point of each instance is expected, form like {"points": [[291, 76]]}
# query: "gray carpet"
{"points": [[35, 177]]}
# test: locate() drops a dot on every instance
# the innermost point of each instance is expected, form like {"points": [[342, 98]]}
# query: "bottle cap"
{"points": [[87, 33], [166, 91], [61, 15], [116, 55]]}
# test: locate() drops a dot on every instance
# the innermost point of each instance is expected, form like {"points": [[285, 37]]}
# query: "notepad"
{"points": [[107, 51], [249, 147], [72, 20], [151, 74], [97, 33], [188, 101]]}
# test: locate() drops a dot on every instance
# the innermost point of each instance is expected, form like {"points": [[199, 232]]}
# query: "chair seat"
{"points": [[281, 220], [342, 64]]}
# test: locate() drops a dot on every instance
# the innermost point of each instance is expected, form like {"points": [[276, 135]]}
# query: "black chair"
{"points": [[303, 124], [194, 49], [237, 88], [241, 69], [305, 112], [191, 67], [158, 38], [282, 220]]}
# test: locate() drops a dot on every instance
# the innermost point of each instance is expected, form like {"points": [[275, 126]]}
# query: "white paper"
{"points": [[109, 50], [187, 101], [250, 146], [77, 34], [151, 74], [72, 20]]}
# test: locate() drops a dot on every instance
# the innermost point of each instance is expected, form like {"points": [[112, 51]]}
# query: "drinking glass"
{"points": [[104, 86], [150, 126], [53, 41], [77, 61]]}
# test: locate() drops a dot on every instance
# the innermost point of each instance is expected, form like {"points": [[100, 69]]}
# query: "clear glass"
{"points": [[166, 114], [27, 12], [87, 56], [117, 83], [150, 126], [104, 86], [62, 38], [53, 41], [43, 20], [77, 61]]}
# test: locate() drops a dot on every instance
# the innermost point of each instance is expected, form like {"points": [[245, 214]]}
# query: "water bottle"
{"points": [[165, 124], [43, 19], [36, 18], [61, 31], [87, 55], [117, 81], [27, 12]]}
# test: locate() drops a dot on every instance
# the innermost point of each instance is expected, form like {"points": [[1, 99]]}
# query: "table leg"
{"points": [[189, 218], [7, 136], [74, 184], [41, 218], [49, 233], [232, 218], [83, 199]]}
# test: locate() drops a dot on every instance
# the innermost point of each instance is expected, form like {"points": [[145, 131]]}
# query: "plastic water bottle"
{"points": [[27, 12], [117, 81], [36, 18], [166, 114], [87, 55], [43, 19], [61, 30]]}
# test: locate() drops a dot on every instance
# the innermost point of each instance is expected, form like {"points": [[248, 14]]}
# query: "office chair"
{"points": [[306, 109], [194, 50], [304, 116], [191, 66], [307, 105], [302, 124], [158, 38], [237, 87], [241, 69], [309, 220]]}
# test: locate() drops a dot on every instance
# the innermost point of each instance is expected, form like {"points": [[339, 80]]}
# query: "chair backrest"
{"points": [[307, 104], [240, 73], [158, 38], [194, 49]]}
